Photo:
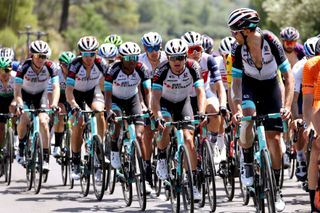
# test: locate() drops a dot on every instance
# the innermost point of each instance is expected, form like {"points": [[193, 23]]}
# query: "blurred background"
{"points": [[63, 22]]}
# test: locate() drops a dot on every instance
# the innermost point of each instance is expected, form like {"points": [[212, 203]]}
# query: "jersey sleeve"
{"points": [[21, 72], [53, 71], [277, 51], [159, 76], [297, 70], [237, 64], [108, 80], [213, 68], [142, 70], [229, 70], [309, 77], [71, 76], [195, 71]]}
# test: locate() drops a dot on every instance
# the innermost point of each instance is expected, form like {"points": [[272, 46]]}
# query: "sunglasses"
{"points": [[88, 54], [153, 48], [235, 32], [194, 48], [130, 58], [177, 58], [41, 56], [6, 70], [290, 43]]}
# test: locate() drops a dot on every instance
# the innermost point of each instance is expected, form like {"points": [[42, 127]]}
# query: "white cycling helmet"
{"points": [[88, 43], [108, 50], [207, 43], [289, 34], [129, 48], [243, 18], [225, 46], [151, 39], [310, 46], [40, 47], [7, 53], [176, 47], [192, 38]]}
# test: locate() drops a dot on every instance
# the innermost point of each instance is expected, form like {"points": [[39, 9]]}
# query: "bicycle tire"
{"points": [[186, 180], [108, 167], [268, 182], [171, 192], [9, 155], [28, 153], [156, 181], [228, 178], [281, 173], [64, 158], [69, 157], [112, 180], [98, 163], [126, 170], [209, 175], [139, 176], [37, 161]]}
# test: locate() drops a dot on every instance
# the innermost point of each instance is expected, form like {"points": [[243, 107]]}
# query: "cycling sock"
{"points": [[46, 155], [148, 171], [312, 195], [22, 145], [114, 145], [277, 176], [76, 157], [247, 155], [58, 138], [162, 154], [301, 156]]}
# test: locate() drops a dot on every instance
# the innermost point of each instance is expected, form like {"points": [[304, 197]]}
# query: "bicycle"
{"points": [[264, 180], [205, 179], [92, 156], [180, 179], [64, 160], [132, 170], [33, 151], [6, 154]]}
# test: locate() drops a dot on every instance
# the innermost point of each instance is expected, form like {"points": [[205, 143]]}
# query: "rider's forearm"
{"points": [[55, 94], [294, 107], [108, 100], [201, 99], [221, 93], [237, 91], [155, 104], [307, 109], [289, 87], [18, 95], [70, 97], [147, 92]]}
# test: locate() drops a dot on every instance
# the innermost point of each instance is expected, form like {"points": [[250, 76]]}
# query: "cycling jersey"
{"points": [[209, 71], [299, 50], [229, 70], [222, 70], [297, 71], [15, 65], [273, 57], [176, 88], [124, 86], [62, 82], [34, 83], [77, 75], [9, 89], [311, 78], [143, 58]]}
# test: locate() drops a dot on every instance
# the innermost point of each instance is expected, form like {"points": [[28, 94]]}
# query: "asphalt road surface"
{"points": [[54, 197]]}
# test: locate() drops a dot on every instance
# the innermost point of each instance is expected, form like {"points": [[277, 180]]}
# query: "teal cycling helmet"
{"points": [[66, 57], [5, 62]]}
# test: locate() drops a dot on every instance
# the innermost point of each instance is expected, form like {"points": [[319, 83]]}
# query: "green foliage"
{"points": [[302, 15], [8, 38]]}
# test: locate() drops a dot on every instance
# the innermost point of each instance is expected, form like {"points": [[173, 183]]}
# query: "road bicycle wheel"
{"points": [[29, 163], [85, 174], [108, 167], [157, 183], [281, 173], [64, 157], [68, 157], [38, 161], [268, 183], [174, 189], [228, 169], [292, 157], [139, 175], [9, 155], [98, 170], [209, 182], [112, 180], [126, 176], [186, 180]]}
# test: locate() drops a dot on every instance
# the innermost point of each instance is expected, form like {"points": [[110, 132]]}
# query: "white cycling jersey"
{"points": [[34, 83], [297, 71], [77, 75], [62, 81], [124, 86], [176, 88], [143, 58]]}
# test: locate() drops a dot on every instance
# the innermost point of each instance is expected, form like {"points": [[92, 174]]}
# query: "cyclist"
{"points": [[6, 93], [294, 50], [114, 39], [215, 92], [31, 89], [253, 70], [207, 44], [65, 58], [84, 75], [152, 57], [311, 106], [297, 70], [171, 87], [8, 52], [109, 52]]}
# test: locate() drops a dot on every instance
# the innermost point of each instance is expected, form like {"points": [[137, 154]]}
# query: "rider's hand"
{"points": [[75, 110], [55, 108], [111, 116], [294, 124], [19, 110], [223, 111], [160, 123], [236, 118], [285, 113], [203, 119]]}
